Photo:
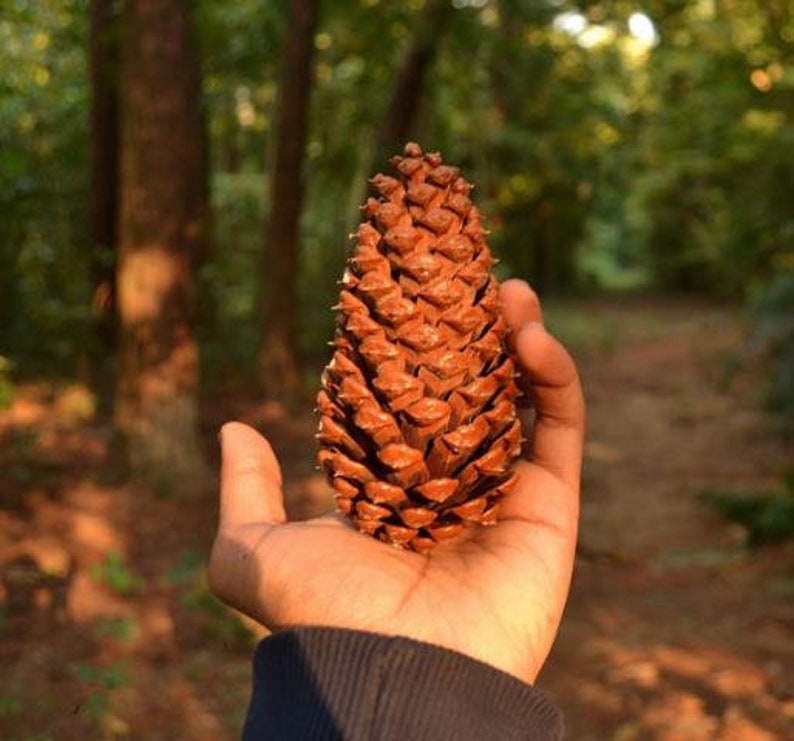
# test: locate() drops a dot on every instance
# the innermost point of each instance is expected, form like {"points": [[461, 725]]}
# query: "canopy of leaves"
{"points": [[614, 145]]}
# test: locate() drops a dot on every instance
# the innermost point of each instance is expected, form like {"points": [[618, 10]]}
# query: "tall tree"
{"points": [[400, 120], [282, 230], [104, 60], [160, 237]]}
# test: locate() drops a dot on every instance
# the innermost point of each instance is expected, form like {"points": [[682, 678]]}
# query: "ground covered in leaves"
{"points": [[675, 631]]}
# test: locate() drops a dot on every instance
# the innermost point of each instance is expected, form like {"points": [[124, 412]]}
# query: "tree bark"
{"points": [[161, 232], [104, 62], [282, 231]]}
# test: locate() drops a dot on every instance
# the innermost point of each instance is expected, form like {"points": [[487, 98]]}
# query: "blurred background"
{"points": [[177, 182]]}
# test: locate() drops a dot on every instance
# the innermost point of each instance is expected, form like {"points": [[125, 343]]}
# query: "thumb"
{"points": [[250, 479]]}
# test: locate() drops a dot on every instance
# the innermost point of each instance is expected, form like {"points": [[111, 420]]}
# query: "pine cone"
{"points": [[418, 424]]}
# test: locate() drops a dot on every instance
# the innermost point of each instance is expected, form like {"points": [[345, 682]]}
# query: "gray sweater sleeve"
{"points": [[323, 683]]}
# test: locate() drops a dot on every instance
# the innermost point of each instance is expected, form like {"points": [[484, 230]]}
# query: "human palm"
{"points": [[496, 595]]}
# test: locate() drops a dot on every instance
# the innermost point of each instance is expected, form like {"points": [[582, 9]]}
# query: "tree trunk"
{"points": [[401, 114], [104, 60], [161, 232], [282, 236]]}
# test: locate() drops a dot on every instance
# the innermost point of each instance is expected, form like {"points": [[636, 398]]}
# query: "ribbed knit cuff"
{"points": [[324, 683]]}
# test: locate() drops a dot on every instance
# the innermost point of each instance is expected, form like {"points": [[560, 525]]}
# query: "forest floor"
{"points": [[674, 630]]}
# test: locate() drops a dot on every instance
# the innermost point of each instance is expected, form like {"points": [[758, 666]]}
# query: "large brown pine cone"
{"points": [[418, 423]]}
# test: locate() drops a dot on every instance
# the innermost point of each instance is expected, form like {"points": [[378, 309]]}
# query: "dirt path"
{"points": [[673, 631]]}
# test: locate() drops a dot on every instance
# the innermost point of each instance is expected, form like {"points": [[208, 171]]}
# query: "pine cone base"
{"points": [[418, 423]]}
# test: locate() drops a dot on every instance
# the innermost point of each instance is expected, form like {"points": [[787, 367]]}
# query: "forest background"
{"points": [[610, 152], [178, 180]]}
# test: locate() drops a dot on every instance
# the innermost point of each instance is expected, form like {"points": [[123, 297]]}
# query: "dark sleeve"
{"points": [[322, 683]]}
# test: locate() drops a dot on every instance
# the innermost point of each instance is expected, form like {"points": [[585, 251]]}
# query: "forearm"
{"points": [[320, 683]]}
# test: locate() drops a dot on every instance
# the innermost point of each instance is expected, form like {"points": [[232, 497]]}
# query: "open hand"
{"points": [[497, 596]]}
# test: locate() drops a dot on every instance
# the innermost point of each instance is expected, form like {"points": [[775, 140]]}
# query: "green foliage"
{"points": [[187, 572], [230, 282], [712, 203], [584, 332], [114, 573], [188, 576], [772, 312], [240, 44], [120, 629], [768, 517], [102, 682], [601, 160], [6, 385], [110, 678], [10, 705], [44, 291]]}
